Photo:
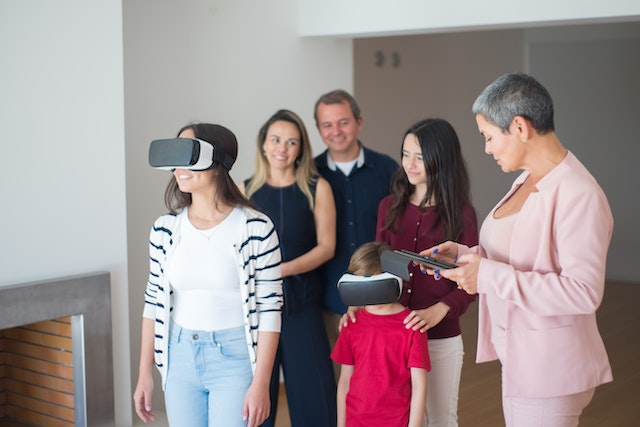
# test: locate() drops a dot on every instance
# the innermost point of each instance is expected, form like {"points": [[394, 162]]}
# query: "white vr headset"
{"points": [[187, 153], [380, 288]]}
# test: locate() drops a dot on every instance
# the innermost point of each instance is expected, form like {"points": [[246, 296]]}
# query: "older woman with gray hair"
{"points": [[539, 267]]}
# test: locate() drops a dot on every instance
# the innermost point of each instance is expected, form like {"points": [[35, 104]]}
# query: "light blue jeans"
{"points": [[208, 376]]}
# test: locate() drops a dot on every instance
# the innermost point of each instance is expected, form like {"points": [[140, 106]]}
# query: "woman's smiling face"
{"points": [[282, 144], [412, 161]]}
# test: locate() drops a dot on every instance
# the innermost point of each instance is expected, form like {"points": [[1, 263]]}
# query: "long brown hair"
{"points": [[447, 178]]}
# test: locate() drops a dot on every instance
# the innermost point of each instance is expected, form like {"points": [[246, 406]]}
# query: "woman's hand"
{"points": [[426, 318], [465, 276], [144, 389], [285, 271], [447, 251], [142, 398], [257, 405], [349, 315]]}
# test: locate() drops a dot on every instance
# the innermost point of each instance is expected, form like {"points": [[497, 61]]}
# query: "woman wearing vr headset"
{"points": [[430, 202], [287, 187], [211, 319]]}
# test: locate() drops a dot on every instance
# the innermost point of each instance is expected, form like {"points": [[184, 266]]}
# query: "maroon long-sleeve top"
{"points": [[416, 232]]}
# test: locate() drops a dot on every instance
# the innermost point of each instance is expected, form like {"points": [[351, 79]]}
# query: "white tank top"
{"points": [[204, 276]]}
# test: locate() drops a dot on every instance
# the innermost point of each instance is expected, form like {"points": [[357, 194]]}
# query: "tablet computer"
{"points": [[396, 262]]}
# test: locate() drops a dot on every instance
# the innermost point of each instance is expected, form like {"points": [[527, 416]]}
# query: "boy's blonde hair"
{"points": [[365, 260]]}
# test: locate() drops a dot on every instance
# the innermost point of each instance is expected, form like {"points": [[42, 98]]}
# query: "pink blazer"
{"points": [[552, 286]]}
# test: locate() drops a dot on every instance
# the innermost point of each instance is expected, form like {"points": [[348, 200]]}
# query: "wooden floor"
{"points": [[616, 404]]}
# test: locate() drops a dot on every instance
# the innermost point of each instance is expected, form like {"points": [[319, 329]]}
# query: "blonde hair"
{"points": [[365, 260], [305, 172]]}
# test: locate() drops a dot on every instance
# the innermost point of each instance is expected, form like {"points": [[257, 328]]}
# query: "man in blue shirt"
{"points": [[359, 178]]}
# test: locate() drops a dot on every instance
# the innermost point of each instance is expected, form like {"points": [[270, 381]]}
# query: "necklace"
{"points": [[208, 234], [207, 227]]}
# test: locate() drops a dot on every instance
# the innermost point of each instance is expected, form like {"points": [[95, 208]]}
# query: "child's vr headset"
{"points": [[187, 153], [383, 288]]}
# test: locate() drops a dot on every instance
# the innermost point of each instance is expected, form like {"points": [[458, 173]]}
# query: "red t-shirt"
{"points": [[382, 352]]}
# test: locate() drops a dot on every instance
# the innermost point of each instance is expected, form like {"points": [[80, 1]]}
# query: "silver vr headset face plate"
{"points": [[381, 288], [182, 153]]}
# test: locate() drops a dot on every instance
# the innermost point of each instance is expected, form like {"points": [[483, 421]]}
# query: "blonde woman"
{"points": [[286, 187]]}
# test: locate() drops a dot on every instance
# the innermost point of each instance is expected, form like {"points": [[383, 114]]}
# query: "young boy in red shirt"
{"points": [[383, 375]]}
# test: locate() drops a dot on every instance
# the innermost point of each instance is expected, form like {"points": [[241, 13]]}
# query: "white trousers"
{"points": [[446, 356], [561, 411]]}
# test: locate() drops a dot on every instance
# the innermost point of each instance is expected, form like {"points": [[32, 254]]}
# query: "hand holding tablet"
{"points": [[426, 260], [396, 262]]}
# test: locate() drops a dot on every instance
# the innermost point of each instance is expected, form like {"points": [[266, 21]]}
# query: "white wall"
{"points": [[596, 93], [591, 72], [62, 152], [228, 62], [359, 18]]}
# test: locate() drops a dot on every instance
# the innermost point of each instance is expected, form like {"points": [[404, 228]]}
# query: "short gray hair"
{"points": [[512, 95]]}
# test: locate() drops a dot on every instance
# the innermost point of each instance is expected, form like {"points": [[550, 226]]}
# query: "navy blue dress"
{"points": [[303, 350]]}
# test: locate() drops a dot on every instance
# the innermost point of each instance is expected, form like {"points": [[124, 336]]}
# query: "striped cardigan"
{"points": [[258, 259]]}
